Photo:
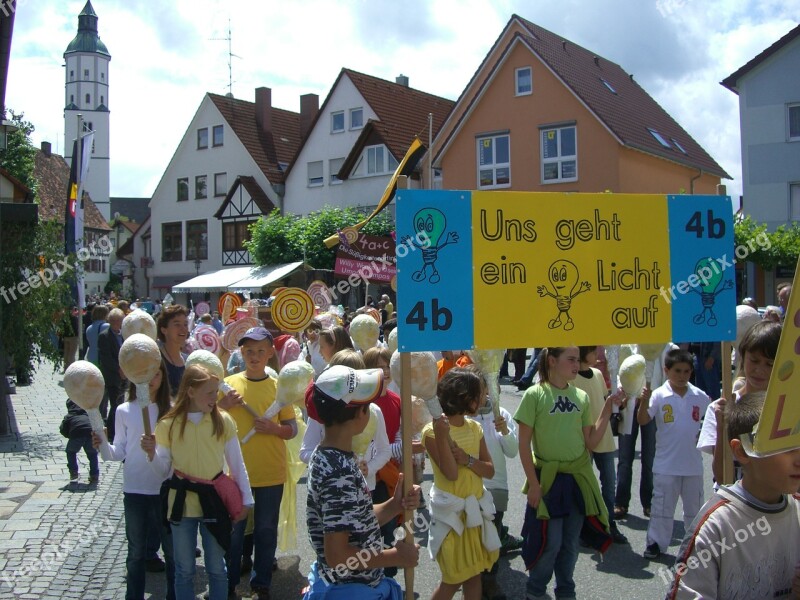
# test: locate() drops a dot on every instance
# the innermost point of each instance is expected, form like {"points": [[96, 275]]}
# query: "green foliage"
{"points": [[19, 155], [114, 284], [277, 238], [768, 250]]}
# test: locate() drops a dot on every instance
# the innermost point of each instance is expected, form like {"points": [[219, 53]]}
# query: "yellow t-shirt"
{"points": [[198, 453], [595, 388], [264, 455]]}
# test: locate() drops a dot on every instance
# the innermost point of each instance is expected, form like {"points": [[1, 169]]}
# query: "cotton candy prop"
{"points": [[292, 383], [85, 386], [365, 331], [211, 363], [746, 317], [139, 321], [140, 360], [632, 380], [651, 353], [424, 378], [391, 341], [362, 441], [490, 362]]}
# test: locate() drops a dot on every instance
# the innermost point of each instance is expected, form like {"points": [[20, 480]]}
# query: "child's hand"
{"points": [[645, 395], [719, 411], [229, 400], [441, 426], [262, 425], [461, 457], [148, 444], [534, 494], [411, 500], [96, 441], [619, 398], [500, 426], [407, 554]]}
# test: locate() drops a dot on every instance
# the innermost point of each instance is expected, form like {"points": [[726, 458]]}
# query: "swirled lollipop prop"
{"points": [[292, 309], [490, 363], [140, 360], [139, 321], [365, 331], [85, 386], [632, 381], [292, 383]]}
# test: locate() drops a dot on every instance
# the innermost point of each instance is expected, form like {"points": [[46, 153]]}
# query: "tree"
{"points": [[277, 238], [19, 156], [765, 249]]}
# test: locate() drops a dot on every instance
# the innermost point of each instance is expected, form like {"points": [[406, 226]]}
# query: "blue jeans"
{"points": [[184, 541], [265, 538], [608, 479], [141, 511], [627, 450], [73, 446], [559, 555]]}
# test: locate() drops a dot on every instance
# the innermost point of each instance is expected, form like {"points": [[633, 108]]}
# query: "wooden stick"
{"points": [[148, 428], [407, 425], [727, 393]]}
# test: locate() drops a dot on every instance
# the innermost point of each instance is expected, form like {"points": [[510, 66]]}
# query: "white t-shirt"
{"points": [[677, 426], [708, 434]]}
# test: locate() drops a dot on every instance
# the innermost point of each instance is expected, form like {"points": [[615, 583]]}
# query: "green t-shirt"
{"points": [[557, 418]]}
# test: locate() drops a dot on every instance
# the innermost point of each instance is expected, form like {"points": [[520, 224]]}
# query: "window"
{"points": [[102, 99], [72, 75], [494, 161], [380, 160], [337, 122], [356, 118], [794, 201], [559, 155], [171, 243], [220, 184], [794, 122], [218, 133], [88, 99], [661, 139], [524, 81], [102, 76], [200, 188], [315, 177], [608, 86], [202, 138], [678, 145], [235, 234], [196, 240], [86, 73], [334, 165], [72, 98], [183, 189]]}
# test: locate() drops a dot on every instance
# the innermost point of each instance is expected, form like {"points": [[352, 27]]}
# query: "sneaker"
{"points": [[94, 479], [620, 512], [73, 477], [510, 543], [617, 536], [652, 551], [154, 565]]}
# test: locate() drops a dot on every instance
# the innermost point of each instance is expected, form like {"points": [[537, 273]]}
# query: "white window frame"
{"points": [[560, 158], [494, 165], [789, 107], [316, 175], [334, 166], [334, 115], [794, 201], [354, 111], [220, 190], [517, 73]]}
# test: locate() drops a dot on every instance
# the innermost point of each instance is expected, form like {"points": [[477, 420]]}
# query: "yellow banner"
{"points": [[779, 427], [563, 269]]}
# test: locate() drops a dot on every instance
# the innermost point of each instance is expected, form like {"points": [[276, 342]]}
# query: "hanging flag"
{"points": [[73, 218], [406, 167]]}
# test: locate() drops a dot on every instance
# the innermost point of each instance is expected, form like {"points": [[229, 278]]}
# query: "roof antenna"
{"points": [[231, 56]]}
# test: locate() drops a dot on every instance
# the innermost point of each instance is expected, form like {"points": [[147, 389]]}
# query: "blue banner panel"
{"points": [[434, 270], [703, 288]]}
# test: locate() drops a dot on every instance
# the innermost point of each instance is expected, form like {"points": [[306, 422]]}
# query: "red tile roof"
{"points": [[732, 81], [267, 149], [52, 173]]}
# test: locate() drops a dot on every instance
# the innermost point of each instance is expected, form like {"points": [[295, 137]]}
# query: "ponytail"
{"points": [[544, 363]]}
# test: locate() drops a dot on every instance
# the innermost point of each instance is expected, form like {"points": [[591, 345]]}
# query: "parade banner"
{"points": [[522, 269], [367, 251], [779, 426]]}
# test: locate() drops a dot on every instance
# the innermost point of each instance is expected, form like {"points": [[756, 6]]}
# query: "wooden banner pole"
{"points": [[727, 393]]}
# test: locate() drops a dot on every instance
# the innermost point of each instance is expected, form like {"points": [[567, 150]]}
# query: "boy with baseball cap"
{"points": [[343, 524]]}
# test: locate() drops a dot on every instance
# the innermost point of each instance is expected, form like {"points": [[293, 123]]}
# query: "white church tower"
{"points": [[86, 61]]}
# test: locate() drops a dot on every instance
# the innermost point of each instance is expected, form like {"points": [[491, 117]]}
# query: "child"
{"points": [[757, 352], [676, 408], [743, 543], [141, 485], [460, 460], [563, 494], [311, 347], [195, 438], [343, 524], [75, 426], [264, 456], [500, 436], [591, 381]]}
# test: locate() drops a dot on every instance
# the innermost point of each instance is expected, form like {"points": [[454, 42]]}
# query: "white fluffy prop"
{"points": [[632, 380], [391, 341], [365, 331], [490, 363], [139, 321], [85, 386], [140, 360], [424, 378]]}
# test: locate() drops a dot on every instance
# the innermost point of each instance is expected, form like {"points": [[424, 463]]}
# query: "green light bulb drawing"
{"points": [[432, 222], [710, 276], [430, 225]]}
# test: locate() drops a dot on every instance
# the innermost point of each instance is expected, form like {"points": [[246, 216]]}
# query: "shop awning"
{"points": [[213, 281], [260, 277]]}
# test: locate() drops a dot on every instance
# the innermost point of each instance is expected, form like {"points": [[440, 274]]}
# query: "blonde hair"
{"points": [[193, 377]]}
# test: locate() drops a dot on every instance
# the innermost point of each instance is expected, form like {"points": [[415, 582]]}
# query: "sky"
{"points": [[166, 54]]}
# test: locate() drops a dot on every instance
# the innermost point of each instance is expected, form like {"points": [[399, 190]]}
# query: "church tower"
{"points": [[86, 61]]}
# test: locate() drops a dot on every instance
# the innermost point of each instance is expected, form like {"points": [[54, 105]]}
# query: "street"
{"points": [[58, 541]]}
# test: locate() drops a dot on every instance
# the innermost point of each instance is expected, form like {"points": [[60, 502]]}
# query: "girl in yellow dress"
{"points": [[463, 539]]}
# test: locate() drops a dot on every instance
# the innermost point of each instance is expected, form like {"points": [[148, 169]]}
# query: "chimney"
{"points": [[47, 149], [309, 107], [402, 80], [264, 109]]}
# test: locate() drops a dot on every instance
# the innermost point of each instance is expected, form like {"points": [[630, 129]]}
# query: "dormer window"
{"points": [[608, 86], [660, 138], [524, 81]]}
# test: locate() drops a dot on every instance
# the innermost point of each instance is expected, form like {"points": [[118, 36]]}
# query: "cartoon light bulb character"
{"points": [[430, 224], [710, 278], [564, 278]]}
